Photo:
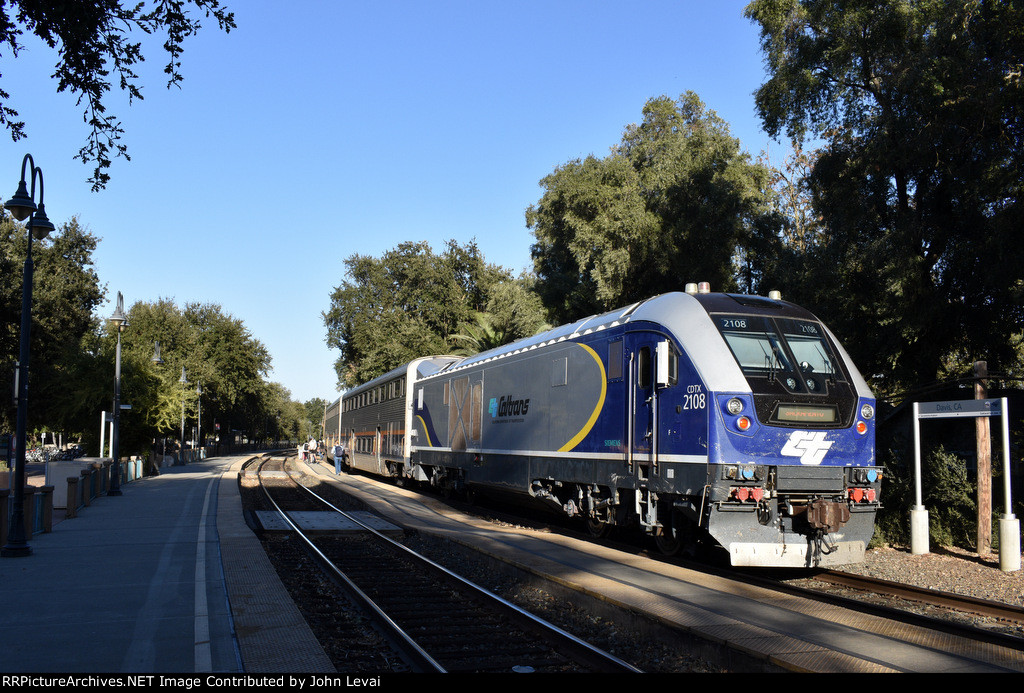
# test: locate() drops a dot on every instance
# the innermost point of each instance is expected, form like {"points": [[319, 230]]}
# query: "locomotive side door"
{"points": [[651, 366], [642, 406]]}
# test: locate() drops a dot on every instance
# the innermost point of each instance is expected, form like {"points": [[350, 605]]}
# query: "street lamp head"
{"points": [[41, 226], [183, 381], [156, 354], [119, 319], [21, 205]]}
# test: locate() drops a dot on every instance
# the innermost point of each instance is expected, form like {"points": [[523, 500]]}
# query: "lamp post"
{"points": [[120, 321], [184, 382], [159, 362], [199, 415], [22, 206]]}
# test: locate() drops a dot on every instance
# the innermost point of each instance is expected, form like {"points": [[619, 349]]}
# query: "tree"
{"points": [[314, 417], [92, 41], [66, 290], [514, 308], [406, 304], [919, 107], [675, 201], [479, 336], [217, 353], [284, 416]]}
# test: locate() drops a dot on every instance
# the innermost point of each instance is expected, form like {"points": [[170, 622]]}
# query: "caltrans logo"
{"points": [[508, 406], [809, 446]]}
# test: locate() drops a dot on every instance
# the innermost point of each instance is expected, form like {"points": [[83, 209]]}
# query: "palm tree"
{"points": [[480, 335]]}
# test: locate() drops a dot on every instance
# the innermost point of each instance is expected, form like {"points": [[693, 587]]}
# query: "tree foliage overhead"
{"points": [[676, 201], [94, 47], [920, 108], [411, 302]]}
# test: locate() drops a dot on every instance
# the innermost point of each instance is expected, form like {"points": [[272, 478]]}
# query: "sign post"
{"points": [[1009, 526]]}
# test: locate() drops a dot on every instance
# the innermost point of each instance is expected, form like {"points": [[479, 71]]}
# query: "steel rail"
{"points": [[414, 649], [982, 607], [582, 647]]}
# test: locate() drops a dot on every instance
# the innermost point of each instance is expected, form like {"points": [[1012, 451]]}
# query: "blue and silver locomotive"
{"points": [[691, 415]]}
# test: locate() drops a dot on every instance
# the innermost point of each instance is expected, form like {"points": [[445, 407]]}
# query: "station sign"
{"points": [[956, 408]]}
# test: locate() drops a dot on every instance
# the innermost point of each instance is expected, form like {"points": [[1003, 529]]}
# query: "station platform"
{"points": [[164, 578]]}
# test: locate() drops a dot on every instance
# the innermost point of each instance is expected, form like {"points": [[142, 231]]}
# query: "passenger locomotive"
{"points": [[691, 415]]}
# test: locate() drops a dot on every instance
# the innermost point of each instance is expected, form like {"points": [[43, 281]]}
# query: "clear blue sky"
{"points": [[322, 128]]}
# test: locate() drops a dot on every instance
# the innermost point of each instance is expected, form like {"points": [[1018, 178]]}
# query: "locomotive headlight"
{"points": [[867, 411], [734, 406]]}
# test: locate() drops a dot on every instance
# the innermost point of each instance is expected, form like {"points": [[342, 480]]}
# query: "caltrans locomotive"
{"points": [[692, 415]]}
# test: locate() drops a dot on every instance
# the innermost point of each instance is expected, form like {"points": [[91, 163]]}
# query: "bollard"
{"points": [[29, 514], [71, 509], [88, 479], [46, 508], [918, 530], [1009, 544]]}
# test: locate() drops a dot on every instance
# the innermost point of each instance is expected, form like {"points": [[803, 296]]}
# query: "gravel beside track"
{"points": [[945, 569]]}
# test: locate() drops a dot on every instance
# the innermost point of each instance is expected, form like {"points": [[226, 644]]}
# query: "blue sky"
{"points": [[322, 128]]}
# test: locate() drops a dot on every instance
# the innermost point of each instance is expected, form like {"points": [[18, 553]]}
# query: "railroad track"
{"points": [[951, 613], [957, 602], [440, 621]]}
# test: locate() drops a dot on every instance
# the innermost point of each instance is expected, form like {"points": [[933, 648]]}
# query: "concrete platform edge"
{"points": [[272, 635]]}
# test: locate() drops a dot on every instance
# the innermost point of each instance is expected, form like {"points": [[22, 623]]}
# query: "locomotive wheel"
{"points": [[667, 543], [597, 528]]}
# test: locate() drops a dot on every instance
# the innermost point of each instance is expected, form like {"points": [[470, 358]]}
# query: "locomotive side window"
{"points": [[644, 368], [615, 360]]}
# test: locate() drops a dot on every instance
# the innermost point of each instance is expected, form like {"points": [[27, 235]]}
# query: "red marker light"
{"points": [[743, 423]]}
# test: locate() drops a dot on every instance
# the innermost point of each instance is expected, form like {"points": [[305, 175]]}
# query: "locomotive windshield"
{"points": [[794, 353]]}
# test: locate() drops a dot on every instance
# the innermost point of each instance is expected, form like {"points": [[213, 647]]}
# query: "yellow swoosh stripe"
{"points": [[425, 431], [574, 441]]}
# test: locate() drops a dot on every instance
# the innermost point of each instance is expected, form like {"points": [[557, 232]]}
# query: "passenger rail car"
{"points": [[376, 419], [691, 415], [332, 427]]}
